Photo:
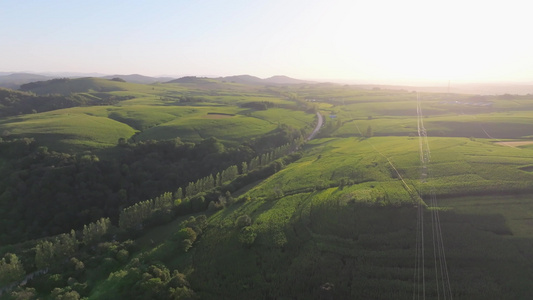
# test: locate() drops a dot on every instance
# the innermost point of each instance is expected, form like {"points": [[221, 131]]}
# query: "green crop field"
{"points": [[516, 210], [354, 235], [458, 166]]}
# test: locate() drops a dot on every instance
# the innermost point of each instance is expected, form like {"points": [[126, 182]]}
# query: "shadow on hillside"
{"points": [[69, 143]]}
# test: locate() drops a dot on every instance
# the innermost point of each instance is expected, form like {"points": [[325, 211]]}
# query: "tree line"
{"points": [[14, 103], [194, 197], [66, 191], [52, 251]]}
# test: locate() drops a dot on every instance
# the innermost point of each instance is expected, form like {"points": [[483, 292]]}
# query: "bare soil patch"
{"points": [[515, 144], [527, 169]]}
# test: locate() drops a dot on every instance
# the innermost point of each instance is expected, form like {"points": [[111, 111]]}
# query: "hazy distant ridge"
{"points": [[137, 78], [242, 79], [248, 79], [15, 80], [282, 79], [66, 86]]}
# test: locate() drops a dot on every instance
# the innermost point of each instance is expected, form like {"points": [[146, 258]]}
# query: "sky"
{"points": [[375, 40]]}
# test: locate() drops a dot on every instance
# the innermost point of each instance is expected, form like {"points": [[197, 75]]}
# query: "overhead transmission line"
{"points": [[442, 279], [441, 269], [419, 290]]}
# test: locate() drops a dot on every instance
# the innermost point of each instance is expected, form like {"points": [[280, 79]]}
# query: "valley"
{"points": [[225, 188]]}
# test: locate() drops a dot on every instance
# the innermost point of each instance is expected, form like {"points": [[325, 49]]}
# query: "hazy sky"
{"points": [[334, 39]]}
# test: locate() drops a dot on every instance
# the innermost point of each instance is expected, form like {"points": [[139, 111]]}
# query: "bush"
{"points": [[186, 233], [247, 236], [243, 221], [186, 244], [122, 255]]}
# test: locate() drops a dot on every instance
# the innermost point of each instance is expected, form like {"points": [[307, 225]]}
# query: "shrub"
{"points": [[243, 221], [247, 236]]}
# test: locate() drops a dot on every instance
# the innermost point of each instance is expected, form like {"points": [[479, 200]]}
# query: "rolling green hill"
{"points": [[334, 237], [66, 86], [69, 130], [15, 80], [211, 193]]}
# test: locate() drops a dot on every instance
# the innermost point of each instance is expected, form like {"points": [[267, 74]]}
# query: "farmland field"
{"points": [[86, 128], [458, 166], [336, 216], [516, 210]]}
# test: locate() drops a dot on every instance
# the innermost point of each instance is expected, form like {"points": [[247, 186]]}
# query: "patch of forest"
{"points": [[66, 191], [14, 103], [67, 86]]}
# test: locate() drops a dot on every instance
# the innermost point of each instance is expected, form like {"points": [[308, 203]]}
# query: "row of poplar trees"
{"points": [[133, 216], [53, 251]]}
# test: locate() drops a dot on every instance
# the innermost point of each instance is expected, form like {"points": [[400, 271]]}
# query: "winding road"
{"points": [[317, 128]]}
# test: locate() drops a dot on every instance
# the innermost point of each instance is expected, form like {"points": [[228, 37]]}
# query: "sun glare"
{"points": [[412, 40]]}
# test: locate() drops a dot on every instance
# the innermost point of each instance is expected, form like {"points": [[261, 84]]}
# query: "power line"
{"points": [[419, 284], [442, 278]]}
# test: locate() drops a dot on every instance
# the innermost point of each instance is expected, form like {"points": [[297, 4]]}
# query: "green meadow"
{"points": [[195, 127], [69, 130]]}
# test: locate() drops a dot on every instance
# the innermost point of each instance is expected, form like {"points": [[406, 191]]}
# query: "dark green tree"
{"points": [[45, 255], [178, 194], [11, 269], [247, 236], [243, 221], [369, 133]]}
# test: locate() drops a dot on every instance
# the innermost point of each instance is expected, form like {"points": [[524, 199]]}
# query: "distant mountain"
{"points": [[137, 78], [15, 80], [191, 79], [66, 86], [281, 79], [70, 74], [244, 79], [248, 79]]}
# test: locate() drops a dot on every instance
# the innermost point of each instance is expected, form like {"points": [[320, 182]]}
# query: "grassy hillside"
{"points": [[312, 228], [69, 130], [228, 124], [76, 129], [339, 224], [225, 127], [459, 166], [350, 238], [67, 86], [305, 241]]}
